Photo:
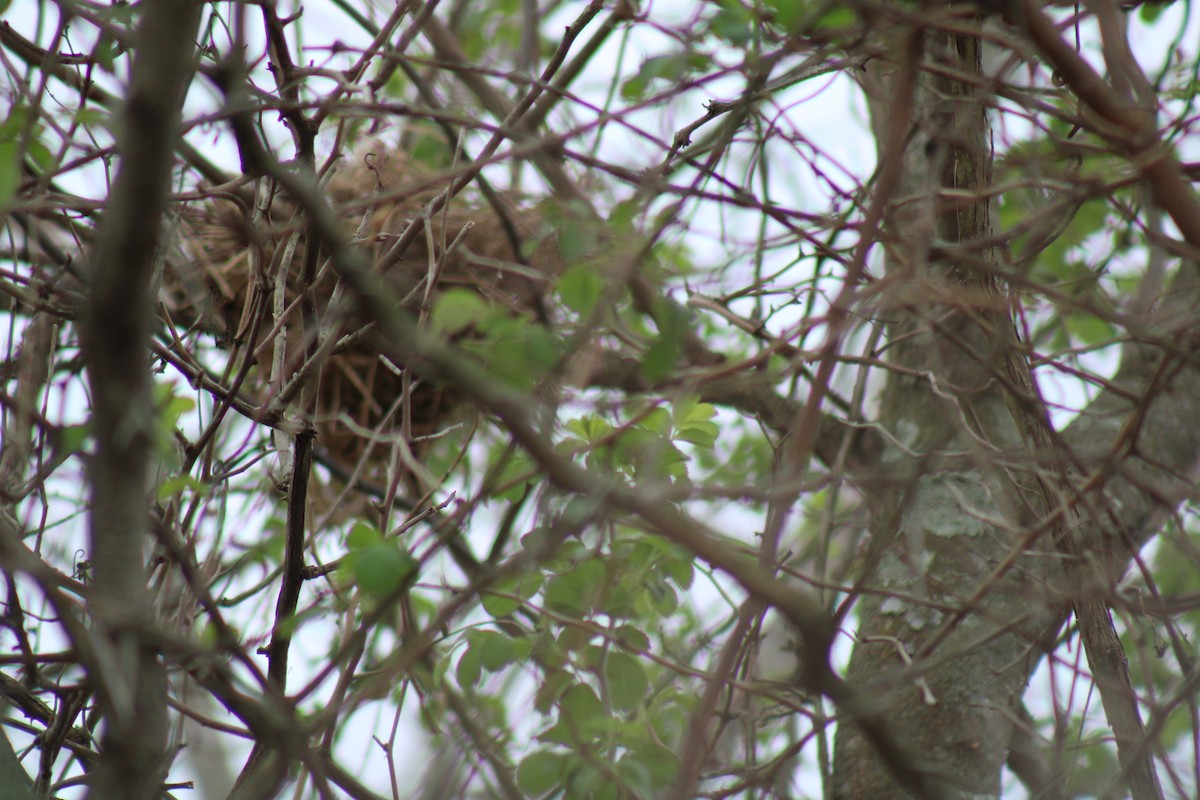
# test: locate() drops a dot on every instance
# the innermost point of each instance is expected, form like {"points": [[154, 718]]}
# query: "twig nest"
{"points": [[227, 284]]}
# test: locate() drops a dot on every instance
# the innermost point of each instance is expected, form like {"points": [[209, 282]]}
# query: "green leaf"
{"points": [[362, 535], [682, 571], [580, 288], [788, 13], [497, 650], [670, 67], [541, 771], [429, 148], [583, 707], [576, 240], [170, 405], [657, 420], [1053, 262], [1093, 769], [71, 438], [590, 428], [635, 776], [10, 171], [455, 310], [659, 599], [380, 569], [515, 348], [732, 23], [836, 19], [606, 791], [1088, 328], [575, 591], [176, 484], [660, 358], [542, 347], [627, 681], [523, 586], [696, 412], [692, 423], [701, 434], [634, 88], [91, 116], [42, 157], [469, 669], [632, 638], [660, 765], [552, 689], [515, 477], [1150, 11]]}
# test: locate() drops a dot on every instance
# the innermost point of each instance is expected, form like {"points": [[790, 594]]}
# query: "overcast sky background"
{"points": [[830, 112]]}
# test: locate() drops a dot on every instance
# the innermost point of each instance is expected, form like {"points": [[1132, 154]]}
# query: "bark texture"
{"points": [[129, 674], [991, 526]]}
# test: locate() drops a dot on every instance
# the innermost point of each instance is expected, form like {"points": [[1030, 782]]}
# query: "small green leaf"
{"points": [[682, 571], [576, 240], [836, 19], [788, 13], [627, 681], [632, 638], [1150, 11], [659, 599], [1088, 328], [697, 412], [469, 669], [580, 288], [635, 776], [732, 23], [10, 171], [692, 423], [455, 310], [551, 689], [661, 765], [660, 358], [575, 591], [71, 438], [499, 607], [429, 148], [497, 650], [657, 420], [91, 116], [380, 569], [542, 347], [581, 704], [176, 484], [670, 67], [634, 88], [541, 771], [590, 428], [362, 535], [522, 586], [701, 434], [591, 656], [42, 157], [514, 479], [270, 548]]}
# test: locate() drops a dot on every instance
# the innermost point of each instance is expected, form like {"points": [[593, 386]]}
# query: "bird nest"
{"points": [[240, 282]]}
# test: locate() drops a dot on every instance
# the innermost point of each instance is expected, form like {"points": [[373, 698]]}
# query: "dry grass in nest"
{"points": [[505, 256]]}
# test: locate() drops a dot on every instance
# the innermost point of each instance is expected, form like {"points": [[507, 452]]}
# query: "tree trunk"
{"points": [[129, 675], [952, 515], [977, 559]]}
